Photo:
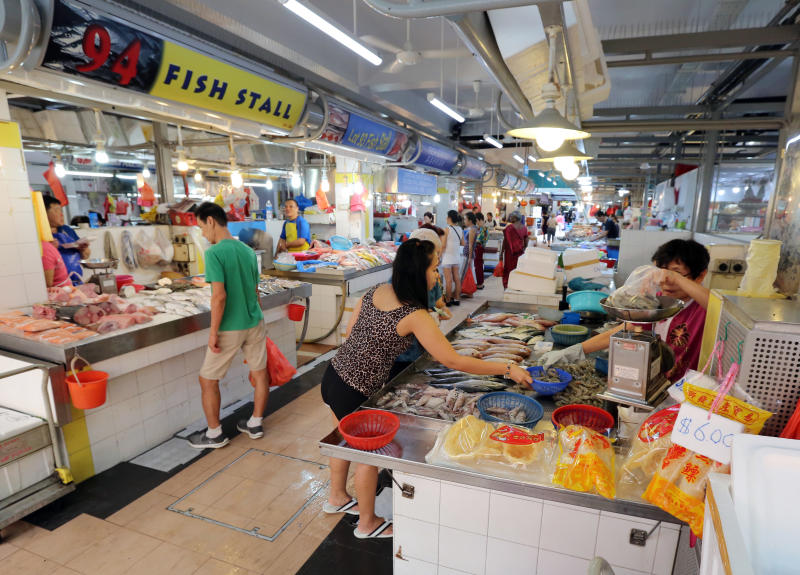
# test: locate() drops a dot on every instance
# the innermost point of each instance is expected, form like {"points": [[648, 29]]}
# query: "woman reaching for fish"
{"points": [[379, 330]]}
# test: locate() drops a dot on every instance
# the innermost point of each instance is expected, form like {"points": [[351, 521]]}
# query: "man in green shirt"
{"points": [[236, 323]]}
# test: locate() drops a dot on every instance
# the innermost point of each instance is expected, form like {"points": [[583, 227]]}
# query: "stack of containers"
{"points": [[579, 263], [535, 272]]}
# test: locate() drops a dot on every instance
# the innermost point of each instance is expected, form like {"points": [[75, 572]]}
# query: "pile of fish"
{"points": [[183, 304], [496, 349], [514, 415], [586, 383], [512, 320], [269, 285], [419, 398]]}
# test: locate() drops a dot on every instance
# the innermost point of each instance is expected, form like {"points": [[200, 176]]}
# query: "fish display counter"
{"points": [[489, 485], [152, 389]]}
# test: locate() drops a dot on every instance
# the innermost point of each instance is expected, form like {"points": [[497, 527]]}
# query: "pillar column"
{"points": [[703, 195], [163, 156]]}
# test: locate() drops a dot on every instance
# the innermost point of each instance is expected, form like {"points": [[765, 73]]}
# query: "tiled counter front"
{"points": [[153, 393], [454, 529]]}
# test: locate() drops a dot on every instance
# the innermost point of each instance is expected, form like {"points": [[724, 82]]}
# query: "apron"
{"points": [[291, 235]]}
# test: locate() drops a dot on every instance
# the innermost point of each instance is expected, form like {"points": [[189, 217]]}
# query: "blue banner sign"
{"points": [[472, 168], [415, 183], [369, 136], [435, 156]]}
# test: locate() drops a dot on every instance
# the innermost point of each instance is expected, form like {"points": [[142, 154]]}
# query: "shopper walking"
{"points": [[480, 245], [451, 259], [470, 236], [515, 237], [236, 323], [379, 330]]}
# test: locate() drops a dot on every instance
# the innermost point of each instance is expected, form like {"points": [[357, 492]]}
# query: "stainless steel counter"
{"points": [[326, 276], [114, 344]]}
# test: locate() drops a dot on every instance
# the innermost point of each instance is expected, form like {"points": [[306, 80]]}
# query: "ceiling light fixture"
{"points": [[236, 177], [59, 168], [198, 177], [531, 158], [326, 27], [437, 103], [325, 185], [562, 163], [268, 185], [296, 180], [550, 129], [490, 140], [145, 172], [518, 158], [100, 155], [570, 172], [437, 199], [183, 165]]}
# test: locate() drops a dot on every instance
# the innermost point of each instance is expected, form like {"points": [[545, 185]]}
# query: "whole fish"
{"points": [[473, 385]]}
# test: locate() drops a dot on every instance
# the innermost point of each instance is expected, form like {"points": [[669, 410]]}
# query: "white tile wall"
{"points": [[623, 571], [425, 505], [515, 519], [6, 225], [507, 558], [122, 388], [668, 536], [551, 563], [418, 539], [447, 571], [413, 567], [462, 550], [131, 442], [613, 543], [567, 530], [105, 454], [464, 508], [100, 424], [152, 402], [157, 429], [149, 377], [127, 413]]}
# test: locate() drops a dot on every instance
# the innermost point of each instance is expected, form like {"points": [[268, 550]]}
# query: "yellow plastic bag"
{"points": [[752, 417], [585, 461], [650, 445]]}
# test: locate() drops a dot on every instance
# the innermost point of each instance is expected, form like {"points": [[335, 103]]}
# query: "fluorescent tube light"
{"points": [[99, 175], [327, 28], [531, 158], [437, 103], [489, 140], [519, 159]]}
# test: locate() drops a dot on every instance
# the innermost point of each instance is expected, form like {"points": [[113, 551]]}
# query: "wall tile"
{"points": [[175, 391], [30, 256], [122, 388], [100, 424], [127, 414], [105, 454], [35, 287], [623, 571], [173, 368], [413, 567], [447, 571], [14, 292], [464, 508], [149, 378], [568, 531], [507, 558], [425, 505], [152, 402], [7, 235], [178, 416], [419, 539], [551, 563], [9, 255], [461, 550], [25, 227], [156, 430], [515, 519], [665, 550], [131, 442]]}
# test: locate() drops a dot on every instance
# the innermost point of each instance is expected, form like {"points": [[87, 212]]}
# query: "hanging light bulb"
{"points": [[59, 168], [269, 183], [296, 181], [145, 172], [563, 162], [436, 199], [183, 165], [325, 185], [571, 172], [236, 179], [100, 155], [198, 177]]}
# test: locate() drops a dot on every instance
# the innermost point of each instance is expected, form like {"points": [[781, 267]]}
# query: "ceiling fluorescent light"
{"points": [[489, 140], [531, 158], [326, 27], [519, 159], [437, 103], [99, 175]]}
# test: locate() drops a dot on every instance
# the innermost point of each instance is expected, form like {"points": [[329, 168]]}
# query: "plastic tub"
{"points": [[507, 400], [284, 267], [571, 318], [586, 301], [123, 280], [546, 387], [565, 334]]}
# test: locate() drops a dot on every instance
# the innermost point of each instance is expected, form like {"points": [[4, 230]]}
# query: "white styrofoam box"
{"points": [[105, 454], [425, 505], [419, 539], [588, 272], [572, 256], [100, 424], [173, 368], [515, 519], [464, 508], [123, 387], [560, 564], [525, 282], [411, 566], [614, 546], [175, 391], [127, 413], [462, 550], [156, 430], [23, 392], [568, 529], [26, 471], [9, 255], [149, 377], [666, 549], [507, 558], [131, 442], [544, 254], [537, 268], [152, 402]]}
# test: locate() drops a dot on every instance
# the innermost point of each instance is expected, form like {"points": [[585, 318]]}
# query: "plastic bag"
{"points": [[498, 270], [646, 453], [153, 250], [585, 461], [495, 448], [278, 367], [640, 290], [751, 416], [468, 285]]}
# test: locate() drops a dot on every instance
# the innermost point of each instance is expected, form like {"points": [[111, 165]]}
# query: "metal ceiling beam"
{"points": [[688, 58], [734, 107], [600, 127], [703, 40], [433, 8]]}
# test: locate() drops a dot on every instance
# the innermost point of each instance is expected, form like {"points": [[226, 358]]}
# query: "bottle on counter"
{"points": [[268, 214]]}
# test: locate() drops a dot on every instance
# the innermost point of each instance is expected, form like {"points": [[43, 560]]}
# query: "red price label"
{"points": [[97, 48]]}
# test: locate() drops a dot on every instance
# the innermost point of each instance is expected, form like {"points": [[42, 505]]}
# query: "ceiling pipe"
{"points": [[316, 133], [598, 127], [433, 8]]}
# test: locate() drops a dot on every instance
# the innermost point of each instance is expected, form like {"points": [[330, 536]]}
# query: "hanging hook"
{"points": [[726, 330]]}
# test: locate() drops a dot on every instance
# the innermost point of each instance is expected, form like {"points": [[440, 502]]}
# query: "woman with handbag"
{"points": [[451, 259], [468, 285], [515, 237]]}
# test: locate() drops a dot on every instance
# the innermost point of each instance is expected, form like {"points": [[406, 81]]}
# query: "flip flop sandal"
{"points": [[379, 533], [346, 508]]}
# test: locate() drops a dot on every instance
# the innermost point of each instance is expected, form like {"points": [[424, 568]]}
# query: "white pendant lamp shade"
{"points": [[566, 150], [550, 129], [570, 172]]}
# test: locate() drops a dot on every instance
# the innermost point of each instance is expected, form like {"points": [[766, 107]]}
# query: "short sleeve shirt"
{"points": [[611, 228], [234, 264], [51, 260]]}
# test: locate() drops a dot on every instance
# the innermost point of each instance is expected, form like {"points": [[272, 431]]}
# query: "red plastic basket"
{"points": [[586, 415], [369, 429]]}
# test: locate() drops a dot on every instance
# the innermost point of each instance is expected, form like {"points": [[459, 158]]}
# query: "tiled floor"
{"points": [[249, 483]]}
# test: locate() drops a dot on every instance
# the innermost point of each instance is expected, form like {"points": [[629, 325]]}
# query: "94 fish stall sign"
{"points": [[86, 43]]}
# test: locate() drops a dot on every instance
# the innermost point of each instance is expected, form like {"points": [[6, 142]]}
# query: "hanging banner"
{"points": [[472, 168], [350, 129], [415, 183], [86, 43], [429, 154]]}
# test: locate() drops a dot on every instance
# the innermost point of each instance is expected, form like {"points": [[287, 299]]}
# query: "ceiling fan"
{"points": [[407, 56]]}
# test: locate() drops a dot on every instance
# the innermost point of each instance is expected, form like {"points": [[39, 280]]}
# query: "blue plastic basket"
{"points": [[545, 387], [507, 400]]}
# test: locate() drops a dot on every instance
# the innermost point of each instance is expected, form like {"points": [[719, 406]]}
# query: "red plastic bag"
{"points": [[498, 270], [278, 367], [468, 286], [322, 201]]}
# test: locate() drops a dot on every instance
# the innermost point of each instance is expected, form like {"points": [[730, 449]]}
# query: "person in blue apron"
{"points": [[72, 248], [296, 233]]}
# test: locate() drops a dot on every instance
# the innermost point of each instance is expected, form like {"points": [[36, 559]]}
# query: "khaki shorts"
{"points": [[252, 342]]}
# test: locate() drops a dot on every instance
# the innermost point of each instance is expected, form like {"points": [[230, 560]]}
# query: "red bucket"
{"points": [[296, 311], [89, 390]]}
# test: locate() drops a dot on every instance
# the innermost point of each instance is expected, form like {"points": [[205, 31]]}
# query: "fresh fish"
{"points": [[468, 351], [473, 385], [503, 356]]}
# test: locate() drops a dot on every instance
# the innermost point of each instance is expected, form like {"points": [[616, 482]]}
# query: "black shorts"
{"points": [[340, 397]]}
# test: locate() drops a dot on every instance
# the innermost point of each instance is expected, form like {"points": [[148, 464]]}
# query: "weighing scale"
{"points": [[635, 374], [107, 280]]}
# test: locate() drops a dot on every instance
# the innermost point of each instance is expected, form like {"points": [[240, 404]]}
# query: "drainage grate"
{"points": [[307, 475]]}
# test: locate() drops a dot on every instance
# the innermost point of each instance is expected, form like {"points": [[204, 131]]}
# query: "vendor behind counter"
{"points": [[72, 248], [296, 233]]}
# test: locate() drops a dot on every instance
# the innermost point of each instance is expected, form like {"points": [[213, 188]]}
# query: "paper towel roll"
{"points": [[762, 268]]}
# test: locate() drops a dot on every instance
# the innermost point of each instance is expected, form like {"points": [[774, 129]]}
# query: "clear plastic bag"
{"points": [[495, 448], [640, 290], [585, 461], [153, 250]]}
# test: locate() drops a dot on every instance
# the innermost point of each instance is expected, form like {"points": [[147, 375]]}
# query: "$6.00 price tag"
{"points": [[710, 437]]}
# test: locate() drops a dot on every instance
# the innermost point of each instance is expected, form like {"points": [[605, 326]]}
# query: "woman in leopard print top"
{"points": [[379, 330]]}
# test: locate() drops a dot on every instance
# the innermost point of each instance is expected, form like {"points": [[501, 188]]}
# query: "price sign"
{"points": [[710, 437]]}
